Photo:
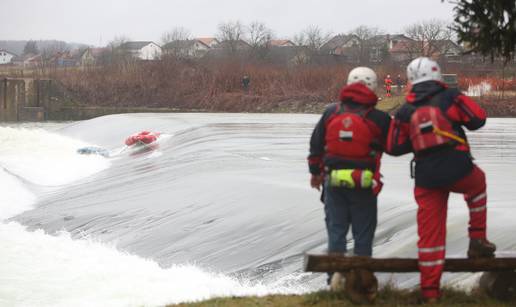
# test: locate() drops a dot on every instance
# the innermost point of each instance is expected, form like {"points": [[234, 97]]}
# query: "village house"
{"points": [[281, 43], [6, 57], [29, 60], [192, 48], [398, 46], [340, 44], [209, 41], [143, 50], [448, 50], [91, 56], [64, 59], [235, 45]]}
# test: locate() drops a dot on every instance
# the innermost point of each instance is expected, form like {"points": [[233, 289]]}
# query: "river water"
{"points": [[223, 207]]}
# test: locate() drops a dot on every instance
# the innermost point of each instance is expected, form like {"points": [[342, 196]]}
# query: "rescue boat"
{"points": [[142, 138]]}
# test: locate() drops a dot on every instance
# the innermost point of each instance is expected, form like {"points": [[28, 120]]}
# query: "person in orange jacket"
{"points": [[388, 85]]}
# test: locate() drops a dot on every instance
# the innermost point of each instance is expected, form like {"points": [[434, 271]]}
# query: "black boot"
{"points": [[481, 248]]}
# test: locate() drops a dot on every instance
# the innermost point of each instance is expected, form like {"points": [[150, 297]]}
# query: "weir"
{"points": [[24, 99]]}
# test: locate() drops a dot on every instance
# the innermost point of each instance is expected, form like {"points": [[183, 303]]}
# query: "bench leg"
{"points": [[361, 286]]}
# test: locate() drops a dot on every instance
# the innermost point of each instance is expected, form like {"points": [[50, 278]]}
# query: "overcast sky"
{"points": [[96, 22]]}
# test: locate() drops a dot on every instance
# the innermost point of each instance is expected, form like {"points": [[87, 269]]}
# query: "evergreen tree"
{"points": [[487, 26], [31, 47]]}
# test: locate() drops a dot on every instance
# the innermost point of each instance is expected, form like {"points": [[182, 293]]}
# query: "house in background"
{"points": [[143, 50], [398, 46], [341, 45], [192, 48], [234, 45], [64, 59], [447, 49], [29, 60], [281, 43], [91, 56], [6, 57], [208, 41]]}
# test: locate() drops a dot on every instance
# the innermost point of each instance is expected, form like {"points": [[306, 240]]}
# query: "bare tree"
{"points": [[429, 37], [369, 44], [258, 34], [315, 37], [118, 41], [299, 39], [259, 37], [116, 51], [176, 34], [231, 34]]}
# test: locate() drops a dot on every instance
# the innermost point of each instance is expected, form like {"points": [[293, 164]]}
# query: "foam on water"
{"points": [[37, 269], [46, 158], [15, 197], [41, 270]]}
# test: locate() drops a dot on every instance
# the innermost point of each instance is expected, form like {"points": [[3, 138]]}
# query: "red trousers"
{"points": [[431, 223]]}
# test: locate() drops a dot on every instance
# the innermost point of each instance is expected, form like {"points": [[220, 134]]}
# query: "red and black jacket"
{"points": [[355, 96], [444, 165]]}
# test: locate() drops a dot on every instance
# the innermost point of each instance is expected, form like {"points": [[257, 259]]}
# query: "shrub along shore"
{"points": [[217, 86]]}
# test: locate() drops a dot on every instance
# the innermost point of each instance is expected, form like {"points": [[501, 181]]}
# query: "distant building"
{"points": [[398, 46], [143, 50], [208, 41], [91, 56], [341, 45], [235, 45], [28, 60], [6, 57], [64, 59], [281, 43], [447, 49], [192, 48]]}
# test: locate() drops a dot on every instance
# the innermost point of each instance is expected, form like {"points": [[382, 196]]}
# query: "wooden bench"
{"points": [[499, 281]]}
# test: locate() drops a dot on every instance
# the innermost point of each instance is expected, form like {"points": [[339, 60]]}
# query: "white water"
{"points": [[37, 269], [255, 212]]}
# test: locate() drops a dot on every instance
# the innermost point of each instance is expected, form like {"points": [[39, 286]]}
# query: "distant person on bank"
{"points": [[345, 151], [430, 125], [399, 84], [388, 86]]}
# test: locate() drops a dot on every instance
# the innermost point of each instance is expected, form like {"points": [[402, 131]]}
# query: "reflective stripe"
{"points": [[478, 209], [431, 263], [479, 197], [431, 249]]}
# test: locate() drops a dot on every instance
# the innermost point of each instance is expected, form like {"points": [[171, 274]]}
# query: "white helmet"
{"points": [[365, 75], [423, 69]]}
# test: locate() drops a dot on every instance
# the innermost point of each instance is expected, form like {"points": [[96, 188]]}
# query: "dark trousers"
{"points": [[355, 208]]}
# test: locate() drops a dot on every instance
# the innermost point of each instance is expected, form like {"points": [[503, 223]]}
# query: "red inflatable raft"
{"points": [[144, 138]]}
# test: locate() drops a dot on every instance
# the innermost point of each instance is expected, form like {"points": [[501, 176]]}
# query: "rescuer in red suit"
{"points": [[388, 85], [345, 151], [430, 125]]}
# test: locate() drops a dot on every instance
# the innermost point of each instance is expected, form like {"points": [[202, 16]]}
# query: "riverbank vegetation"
{"points": [[216, 86]]}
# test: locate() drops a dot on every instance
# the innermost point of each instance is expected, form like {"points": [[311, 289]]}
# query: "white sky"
{"points": [[97, 22]]}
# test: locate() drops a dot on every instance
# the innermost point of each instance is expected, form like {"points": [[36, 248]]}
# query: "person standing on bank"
{"points": [[430, 125], [399, 84], [345, 151]]}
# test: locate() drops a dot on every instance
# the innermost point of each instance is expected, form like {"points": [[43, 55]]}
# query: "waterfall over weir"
{"points": [[222, 207]]}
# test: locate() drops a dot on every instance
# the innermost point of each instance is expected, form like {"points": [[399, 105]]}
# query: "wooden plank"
{"points": [[339, 263]]}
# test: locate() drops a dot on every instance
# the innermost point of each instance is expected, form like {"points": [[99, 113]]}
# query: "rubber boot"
{"points": [[481, 248]]}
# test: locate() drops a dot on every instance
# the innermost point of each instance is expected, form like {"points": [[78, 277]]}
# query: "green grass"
{"points": [[388, 296], [390, 104]]}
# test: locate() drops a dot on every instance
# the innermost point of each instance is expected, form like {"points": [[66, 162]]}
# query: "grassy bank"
{"points": [[386, 297]]}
